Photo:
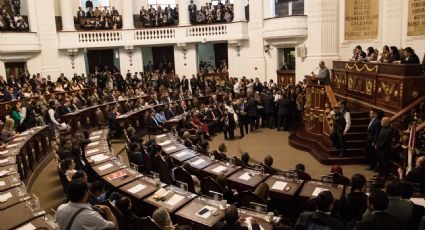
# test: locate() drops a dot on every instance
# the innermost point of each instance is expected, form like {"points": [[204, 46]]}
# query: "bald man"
{"points": [[383, 145], [417, 175], [324, 74]]}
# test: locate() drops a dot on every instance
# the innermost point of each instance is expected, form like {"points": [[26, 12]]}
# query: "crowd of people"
{"points": [[389, 54], [159, 17], [207, 67], [96, 18], [12, 21], [211, 14]]}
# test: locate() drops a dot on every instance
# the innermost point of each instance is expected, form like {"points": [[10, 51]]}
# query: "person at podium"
{"points": [[323, 76]]}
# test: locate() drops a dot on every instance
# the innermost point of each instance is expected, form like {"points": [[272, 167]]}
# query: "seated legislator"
{"points": [[233, 222], [77, 214], [8, 131], [417, 175], [410, 56]]}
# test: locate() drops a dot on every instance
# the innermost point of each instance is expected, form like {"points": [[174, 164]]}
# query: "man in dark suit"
{"points": [[134, 155], [65, 108], [89, 4], [243, 119], [10, 95], [192, 12], [185, 84], [229, 124], [154, 126], [169, 111], [411, 57], [283, 112], [379, 218], [372, 133], [267, 102], [417, 175], [233, 222], [320, 219], [193, 83], [383, 145], [258, 87], [252, 111]]}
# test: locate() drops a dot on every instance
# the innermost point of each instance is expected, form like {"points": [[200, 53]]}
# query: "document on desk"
{"points": [[97, 132], [219, 169], [279, 185], [28, 226], [180, 154], [176, 198], [4, 161], [418, 201], [205, 212], [99, 157], [2, 183], [136, 189], [167, 142], [161, 136], [245, 176], [318, 190], [93, 143], [170, 148], [5, 197], [4, 152], [18, 139], [92, 151], [11, 146], [106, 166], [94, 137], [198, 162]]}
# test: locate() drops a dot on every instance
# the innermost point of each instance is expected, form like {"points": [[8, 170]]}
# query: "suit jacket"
{"points": [[185, 84], [193, 83], [169, 113], [64, 110], [417, 175], [251, 108], [135, 157], [153, 123], [413, 59], [268, 104], [306, 218], [283, 107], [383, 141], [258, 87], [380, 220], [373, 131]]}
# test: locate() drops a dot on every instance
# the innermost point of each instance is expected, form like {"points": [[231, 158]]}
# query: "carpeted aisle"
{"points": [[266, 141]]}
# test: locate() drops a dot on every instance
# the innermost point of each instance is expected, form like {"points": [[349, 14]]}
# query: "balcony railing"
{"points": [[155, 36], [290, 27]]}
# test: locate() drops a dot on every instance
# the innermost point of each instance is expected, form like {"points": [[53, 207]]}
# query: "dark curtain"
{"points": [[162, 56], [102, 59], [220, 51]]}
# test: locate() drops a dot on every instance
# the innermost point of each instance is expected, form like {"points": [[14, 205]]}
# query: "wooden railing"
{"points": [[331, 96], [407, 108]]}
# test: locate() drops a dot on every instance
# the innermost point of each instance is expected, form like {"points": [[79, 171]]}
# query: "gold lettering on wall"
{"points": [[361, 19], [416, 20]]}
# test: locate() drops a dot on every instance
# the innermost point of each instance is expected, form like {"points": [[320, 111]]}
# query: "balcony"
{"points": [[19, 43], [154, 36], [288, 30]]}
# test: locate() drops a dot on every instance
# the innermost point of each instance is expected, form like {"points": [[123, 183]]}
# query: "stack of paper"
{"points": [[2, 183], [167, 142], [97, 132], [245, 176], [5, 197], [99, 157], [94, 137], [3, 152], [318, 190], [28, 226], [3, 172], [198, 162], [92, 151], [176, 198], [161, 136], [106, 166], [180, 154], [93, 143], [279, 185], [170, 148], [4, 161], [136, 189], [219, 169]]}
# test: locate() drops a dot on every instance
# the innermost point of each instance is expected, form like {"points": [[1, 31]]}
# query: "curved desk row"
{"points": [[184, 206], [18, 209]]}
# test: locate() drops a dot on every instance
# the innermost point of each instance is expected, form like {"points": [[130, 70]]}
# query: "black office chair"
{"points": [[147, 223], [209, 184], [246, 197], [164, 172], [182, 175]]}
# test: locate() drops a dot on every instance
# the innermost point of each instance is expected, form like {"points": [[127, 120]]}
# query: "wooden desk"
{"points": [[92, 150], [199, 162], [251, 180], [189, 213], [312, 188], [171, 208], [15, 216], [183, 155], [163, 137], [13, 200], [291, 187], [42, 222], [173, 148], [108, 167], [259, 217], [130, 175], [139, 188], [9, 182], [101, 158], [219, 168]]}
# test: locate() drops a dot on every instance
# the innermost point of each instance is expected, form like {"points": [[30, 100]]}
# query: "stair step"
{"points": [[358, 128]]}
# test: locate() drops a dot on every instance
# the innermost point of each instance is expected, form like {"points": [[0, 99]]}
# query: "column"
{"points": [[66, 15], [127, 14], [184, 19], [239, 11], [32, 16]]}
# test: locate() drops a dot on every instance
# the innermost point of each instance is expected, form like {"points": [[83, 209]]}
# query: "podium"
{"points": [[316, 110]]}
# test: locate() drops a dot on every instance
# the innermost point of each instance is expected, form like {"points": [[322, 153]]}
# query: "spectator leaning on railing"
{"points": [[211, 14]]}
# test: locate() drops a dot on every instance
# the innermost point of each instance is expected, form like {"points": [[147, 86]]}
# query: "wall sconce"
{"points": [[266, 48], [72, 53], [238, 50], [183, 47], [130, 52]]}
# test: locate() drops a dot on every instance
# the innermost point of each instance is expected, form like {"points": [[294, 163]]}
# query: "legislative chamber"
{"points": [[217, 114]]}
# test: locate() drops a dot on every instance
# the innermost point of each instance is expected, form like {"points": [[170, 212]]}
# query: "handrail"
{"points": [[407, 108], [331, 96]]}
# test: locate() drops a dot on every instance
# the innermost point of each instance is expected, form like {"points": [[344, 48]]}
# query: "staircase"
{"points": [[320, 146]]}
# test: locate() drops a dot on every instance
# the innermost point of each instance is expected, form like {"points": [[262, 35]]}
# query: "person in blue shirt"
{"points": [[160, 116]]}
